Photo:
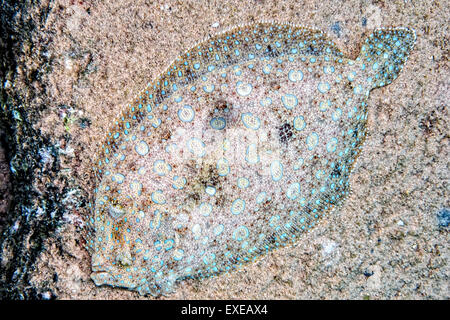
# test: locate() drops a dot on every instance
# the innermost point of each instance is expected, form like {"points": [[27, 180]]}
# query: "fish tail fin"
{"points": [[384, 53]]}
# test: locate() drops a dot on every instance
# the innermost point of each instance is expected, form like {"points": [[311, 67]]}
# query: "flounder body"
{"points": [[239, 147]]}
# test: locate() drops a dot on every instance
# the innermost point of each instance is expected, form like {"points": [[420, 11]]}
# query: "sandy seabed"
{"points": [[388, 241]]}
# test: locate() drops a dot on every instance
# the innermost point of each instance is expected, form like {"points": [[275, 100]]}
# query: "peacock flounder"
{"points": [[242, 145]]}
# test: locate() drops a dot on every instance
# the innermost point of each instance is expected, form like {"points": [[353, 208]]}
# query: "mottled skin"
{"points": [[239, 147]]}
